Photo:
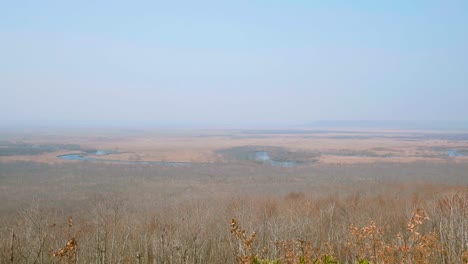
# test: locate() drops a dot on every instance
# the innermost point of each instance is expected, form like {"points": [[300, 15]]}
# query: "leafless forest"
{"points": [[235, 211]]}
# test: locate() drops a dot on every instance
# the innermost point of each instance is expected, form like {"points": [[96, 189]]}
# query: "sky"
{"points": [[232, 63]]}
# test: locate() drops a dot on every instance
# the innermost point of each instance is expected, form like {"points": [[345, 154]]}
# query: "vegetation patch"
{"points": [[279, 154], [21, 148]]}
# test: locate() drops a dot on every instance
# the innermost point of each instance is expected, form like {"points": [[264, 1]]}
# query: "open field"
{"points": [[152, 213]]}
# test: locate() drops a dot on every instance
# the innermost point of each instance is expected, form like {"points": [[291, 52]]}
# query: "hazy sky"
{"points": [[232, 62]]}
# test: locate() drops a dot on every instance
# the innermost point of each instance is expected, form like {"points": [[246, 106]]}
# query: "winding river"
{"points": [[85, 156], [260, 157]]}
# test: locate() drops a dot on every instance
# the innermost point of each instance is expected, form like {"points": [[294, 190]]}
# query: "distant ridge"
{"points": [[381, 124]]}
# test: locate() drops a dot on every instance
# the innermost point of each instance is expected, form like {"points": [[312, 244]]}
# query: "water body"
{"points": [[263, 157], [103, 152], [85, 157], [78, 156], [260, 156], [454, 153]]}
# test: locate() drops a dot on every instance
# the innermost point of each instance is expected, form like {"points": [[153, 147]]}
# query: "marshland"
{"points": [[336, 199]]}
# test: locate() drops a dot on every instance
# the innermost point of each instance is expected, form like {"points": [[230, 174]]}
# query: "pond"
{"points": [[454, 153], [263, 157]]}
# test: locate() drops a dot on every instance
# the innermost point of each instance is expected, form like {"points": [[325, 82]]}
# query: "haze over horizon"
{"points": [[243, 63]]}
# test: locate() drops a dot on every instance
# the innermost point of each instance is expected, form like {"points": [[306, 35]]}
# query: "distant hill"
{"points": [[381, 124]]}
